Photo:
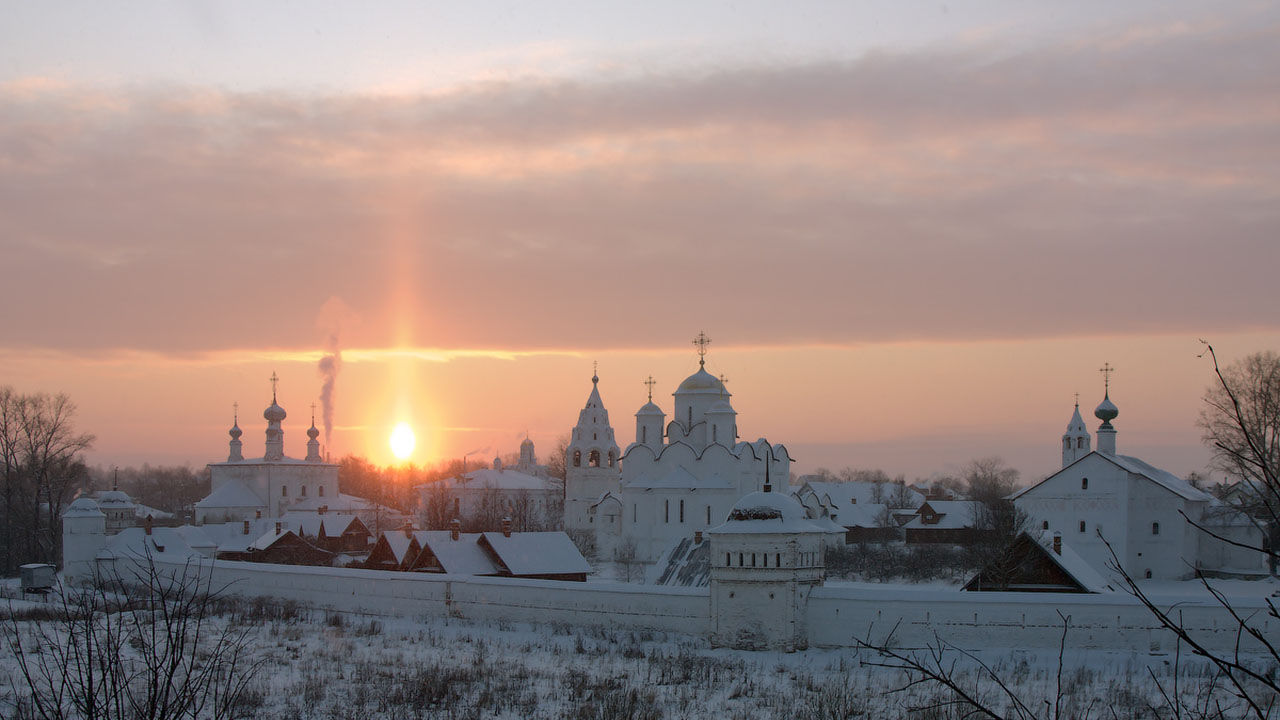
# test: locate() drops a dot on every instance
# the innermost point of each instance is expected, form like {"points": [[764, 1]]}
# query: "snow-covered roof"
{"points": [[952, 515], [195, 537], [537, 553], [1221, 515], [1133, 465], [231, 537], [231, 494], [136, 544], [341, 503], [114, 498], [767, 512], [142, 511], [82, 507], [1074, 565], [269, 538], [309, 524], [463, 556], [399, 543], [860, 515], [679, 477], [499, 479]]}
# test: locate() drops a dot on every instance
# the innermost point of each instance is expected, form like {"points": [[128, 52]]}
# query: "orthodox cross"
{"points": [[1077, 400], [650, 382], [235, 413], [1106, 371], [723, 379], [313, 413], [702, 341], [274, 380]]}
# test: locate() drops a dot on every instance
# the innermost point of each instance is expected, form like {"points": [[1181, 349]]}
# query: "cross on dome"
{"points": [[650, 382], [702, 341], [1106, 371], [274, 380], [235, 413]]}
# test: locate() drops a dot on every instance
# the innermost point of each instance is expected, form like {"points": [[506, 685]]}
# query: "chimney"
{"points": [[246, 527], [455, 528], [506, 527], [277, 527], [697, 536], [257, 514], [1057, 543], [147, 524]]}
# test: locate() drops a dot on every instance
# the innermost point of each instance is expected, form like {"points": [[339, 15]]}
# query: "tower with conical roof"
{"points": [[1076, 440], [591, 461]]}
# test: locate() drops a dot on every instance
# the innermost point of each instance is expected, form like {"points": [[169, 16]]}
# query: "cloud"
{"points": [[1121, 182]]}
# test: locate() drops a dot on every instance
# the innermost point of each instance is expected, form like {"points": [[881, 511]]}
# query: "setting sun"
{"points": [[402, 441]]}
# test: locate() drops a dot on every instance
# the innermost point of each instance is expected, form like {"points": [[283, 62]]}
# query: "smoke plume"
{"points": [[334, 316]]}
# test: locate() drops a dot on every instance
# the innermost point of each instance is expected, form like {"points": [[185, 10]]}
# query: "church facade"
{"points": [[247, 488], [1116, 509]]}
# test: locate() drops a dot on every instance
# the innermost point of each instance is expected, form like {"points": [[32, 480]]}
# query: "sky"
{"points": [[913, 231]]}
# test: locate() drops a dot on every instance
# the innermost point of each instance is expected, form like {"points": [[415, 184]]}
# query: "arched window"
{"points": [[1155, 528], [644, 433], [715, 433], [1081, 526], [611, 458], [593, 459], [739, 559], [1084, 483], [1148, 574], [1080, 442], [753, 559], [777, 560], [284, 491], [321, 491], [1044, 525], [682, 510], [728, 559], [304, 491], [577, 458], [690, 423]]}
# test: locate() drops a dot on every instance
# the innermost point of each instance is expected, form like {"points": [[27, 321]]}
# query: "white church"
{"points": [[1148, 516], [248, 488], [678, 478]]}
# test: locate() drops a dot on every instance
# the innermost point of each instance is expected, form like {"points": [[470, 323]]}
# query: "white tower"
{"points": [[84, 533], [313, 439], [1076, 440], [649, 422], [528, 463], [274, 416], [1106, 412], [591, 461], [237, 447]]}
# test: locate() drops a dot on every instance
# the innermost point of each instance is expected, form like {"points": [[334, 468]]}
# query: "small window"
{"points": [[611, 458], [304, 491], [1080, 443], [764, 559], [321, 491], [284, 491], [666, 511], [715, 432], [753, 559], [777, 560], [708, 515], [682, 511], [728, 559], [1147, 575], [1155, 528], [1084, 483], [633, 512], [644, 433], [1044, 525], [594, 458], [690, 416], [739, 559], [1081, 526], [577, 458]]}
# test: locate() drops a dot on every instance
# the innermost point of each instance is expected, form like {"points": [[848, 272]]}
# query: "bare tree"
{"points": [[437, 506], [624, 554], [136, 643]]}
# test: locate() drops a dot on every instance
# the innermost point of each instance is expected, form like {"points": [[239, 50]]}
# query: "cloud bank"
{"points": [[1121, 183]]}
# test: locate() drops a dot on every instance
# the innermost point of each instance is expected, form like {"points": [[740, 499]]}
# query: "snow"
{"points": [[500, 480], [231, 494], [682, 478], [463, 556], [952, 515], [844, 496], [1162, 477]]}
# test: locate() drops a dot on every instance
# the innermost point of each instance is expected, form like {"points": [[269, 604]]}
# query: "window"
{"points": [[715, 432], [728, 559], [321, 491], [666, 511], [1081, 526], [777, 560], [1148, 575], [764, 559], [284, 491], [577, 458], [1080, 442], [1044, 525], [594, 458], [611, 458], [1155, 528], [593, 436], [1084, 483], [739, 559], [644, 433], [304, 491], [708, 514], [690, 423], [753, 559], [682, 511], [633, 512]]}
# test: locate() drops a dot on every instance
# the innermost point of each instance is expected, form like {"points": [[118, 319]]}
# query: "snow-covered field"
{"points": [[316, 664]]}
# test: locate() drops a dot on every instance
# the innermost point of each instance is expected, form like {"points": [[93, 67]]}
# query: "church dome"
{"points": [[720, 406], [312, 432], [274, 413], [235, 432], [701, 381], [82, 507], [1106, 410], [526, 443], [114, 498], [650, 409]]}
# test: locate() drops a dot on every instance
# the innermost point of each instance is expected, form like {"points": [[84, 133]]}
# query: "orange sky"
{"points": [[911, 244]]}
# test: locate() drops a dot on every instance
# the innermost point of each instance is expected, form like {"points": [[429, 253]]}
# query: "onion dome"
{"points": [[526, 443], [701, 381], [274, 413], [235, 432], [312, 432], [115, 498], [1106, 410]]}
